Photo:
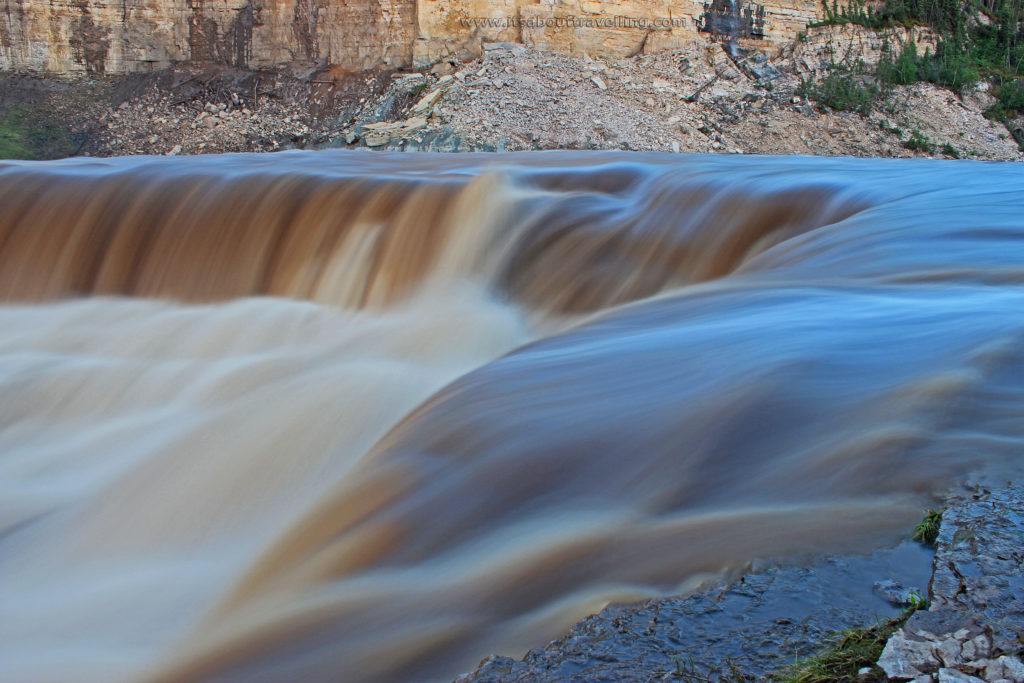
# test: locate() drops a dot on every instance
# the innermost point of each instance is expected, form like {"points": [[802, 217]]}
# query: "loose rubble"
{"points": [[510, 97]]}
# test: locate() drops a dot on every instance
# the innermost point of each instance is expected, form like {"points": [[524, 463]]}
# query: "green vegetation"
{"points": [[927, 530], [1011, 95], [976, 39], [30, 131], [916, 601], [886, 127], [919, 142], [986, 34], [950, 151], [15, 136], [948, 67], [848, 653], [842, 89], [1010, 104]]}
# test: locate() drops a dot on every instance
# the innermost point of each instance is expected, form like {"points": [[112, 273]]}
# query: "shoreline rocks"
{"points": [[750, 627], [974, 628]]}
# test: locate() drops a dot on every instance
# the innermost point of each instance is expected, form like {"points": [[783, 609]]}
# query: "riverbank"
{"points": [[772, 624], [700, 99]]}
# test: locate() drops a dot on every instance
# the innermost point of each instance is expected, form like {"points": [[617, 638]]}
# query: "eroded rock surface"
{"points": [[104, 36], [748, 627], [756, 625], [974, 629]]}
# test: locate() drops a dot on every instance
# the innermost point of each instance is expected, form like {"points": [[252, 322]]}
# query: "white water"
{"points": [[332, 471]]}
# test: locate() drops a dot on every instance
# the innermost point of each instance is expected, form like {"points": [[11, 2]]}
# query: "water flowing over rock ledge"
{"points": [[753, 626], [378, 416]]}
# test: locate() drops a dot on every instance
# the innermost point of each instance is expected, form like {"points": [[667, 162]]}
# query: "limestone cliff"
{"points": [[123, 36], [611, 28]]}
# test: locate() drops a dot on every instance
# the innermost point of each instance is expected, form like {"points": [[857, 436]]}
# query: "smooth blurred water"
{"points": [[343, 416]]}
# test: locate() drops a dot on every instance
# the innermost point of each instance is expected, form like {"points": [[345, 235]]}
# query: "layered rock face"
{"points": [[124, 36], [612, 28]]}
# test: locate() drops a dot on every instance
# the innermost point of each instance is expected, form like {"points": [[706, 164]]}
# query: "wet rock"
{"points": [[975, 622], [896, 594], [757, 623], [972, 632]]}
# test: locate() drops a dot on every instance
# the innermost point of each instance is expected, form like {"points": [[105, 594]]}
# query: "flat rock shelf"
{"points": [[753, 626]]}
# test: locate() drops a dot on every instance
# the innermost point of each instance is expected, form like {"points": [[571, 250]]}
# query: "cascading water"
{"points": [[338, 416]]}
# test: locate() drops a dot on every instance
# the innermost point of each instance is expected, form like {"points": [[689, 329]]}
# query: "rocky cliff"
{"points": [[606, 28], [125, 36]]}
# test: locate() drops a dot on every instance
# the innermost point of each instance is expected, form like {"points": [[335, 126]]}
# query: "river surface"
{"points": [[371, 417]]}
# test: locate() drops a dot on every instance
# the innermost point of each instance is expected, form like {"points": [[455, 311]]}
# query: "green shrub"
{"points": [[900, 71], [1011, 95], [843, 91], [950, 66], [919, 142], [967, 50], [885, 127]]}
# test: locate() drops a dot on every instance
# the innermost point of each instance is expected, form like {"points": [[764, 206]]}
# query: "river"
{"points": [[371, 417]]}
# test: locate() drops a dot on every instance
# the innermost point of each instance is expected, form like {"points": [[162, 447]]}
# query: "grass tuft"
{"points": [[849, 652], [927, 530]]}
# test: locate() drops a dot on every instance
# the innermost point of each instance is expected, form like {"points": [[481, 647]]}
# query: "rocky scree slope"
{"points": [[701, 98]]}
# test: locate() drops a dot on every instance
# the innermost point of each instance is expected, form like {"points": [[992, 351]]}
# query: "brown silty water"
{"points": [[370, 417]]}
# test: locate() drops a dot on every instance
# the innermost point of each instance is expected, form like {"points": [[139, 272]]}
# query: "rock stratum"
{"points": [[128, 36]]}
